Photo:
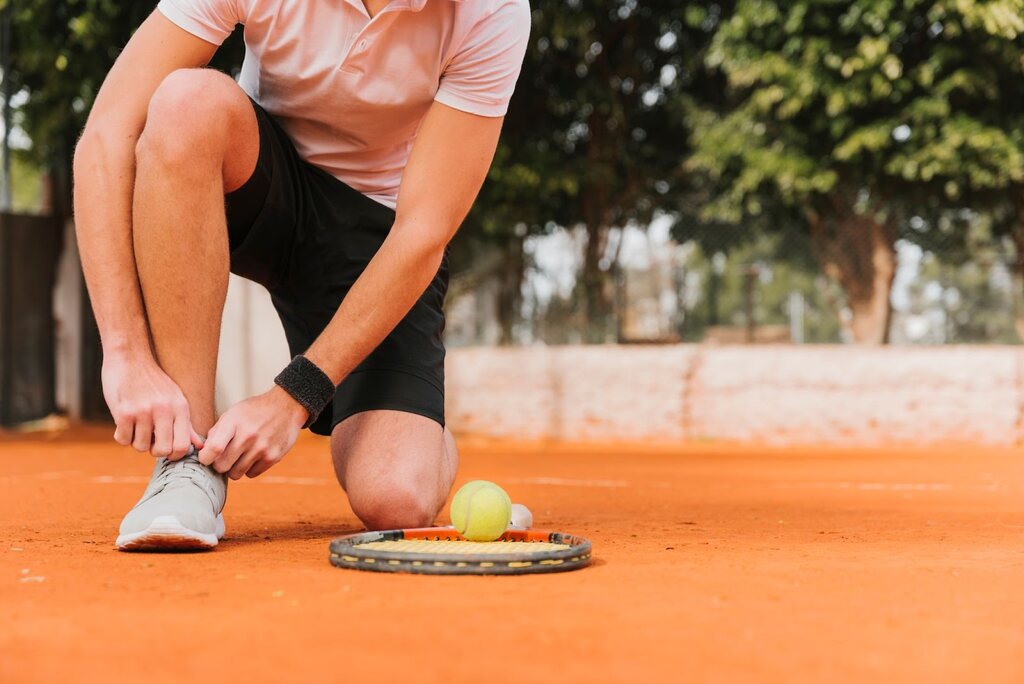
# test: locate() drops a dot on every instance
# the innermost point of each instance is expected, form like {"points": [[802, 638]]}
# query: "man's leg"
{"points": [[396, 467], [200, 142]]}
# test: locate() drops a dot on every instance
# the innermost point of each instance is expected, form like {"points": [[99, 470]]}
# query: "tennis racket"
{"points": [[442, 551]]}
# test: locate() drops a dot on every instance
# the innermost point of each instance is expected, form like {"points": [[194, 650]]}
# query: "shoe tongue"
{"points": [[189, 472], [185, 468]]}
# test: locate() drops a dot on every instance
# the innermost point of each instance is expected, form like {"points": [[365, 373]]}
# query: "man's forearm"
{"points": [[385, 292], [104, 177], [449, 142]]}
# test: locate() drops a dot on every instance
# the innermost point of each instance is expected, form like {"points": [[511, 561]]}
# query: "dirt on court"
{"points": [[713, 563]]}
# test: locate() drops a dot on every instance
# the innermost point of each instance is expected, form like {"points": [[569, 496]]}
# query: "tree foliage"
{"points": [[62, 51], [595, 131], [839, 125], [850, 117]]}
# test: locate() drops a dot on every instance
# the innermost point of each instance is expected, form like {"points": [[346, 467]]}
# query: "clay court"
{"points": [[713, 563]]}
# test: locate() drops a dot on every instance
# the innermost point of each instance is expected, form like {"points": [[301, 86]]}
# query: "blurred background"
{"points": [[690, 186]]}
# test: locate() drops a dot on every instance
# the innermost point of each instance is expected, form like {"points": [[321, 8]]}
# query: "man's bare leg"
{"points": [[201, 141], [396, 467]]}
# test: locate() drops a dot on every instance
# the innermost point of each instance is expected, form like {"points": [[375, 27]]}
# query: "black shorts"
{"points": [[306, 237]]}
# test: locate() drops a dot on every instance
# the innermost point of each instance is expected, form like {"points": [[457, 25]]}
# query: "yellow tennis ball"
{"points": [[481, 511]]}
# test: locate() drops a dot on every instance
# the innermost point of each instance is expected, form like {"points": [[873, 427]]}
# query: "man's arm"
{"points": [[456, 147], [143, 400], [451, 145]]}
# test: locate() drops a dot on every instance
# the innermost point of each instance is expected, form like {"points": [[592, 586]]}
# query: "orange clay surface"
{"points": [[713, 563]]}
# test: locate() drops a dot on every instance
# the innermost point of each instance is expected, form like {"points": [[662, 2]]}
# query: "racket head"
{"points": [[443, 551]]}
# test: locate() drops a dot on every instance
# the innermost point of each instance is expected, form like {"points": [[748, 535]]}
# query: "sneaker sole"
{"points": [[165, 533]]}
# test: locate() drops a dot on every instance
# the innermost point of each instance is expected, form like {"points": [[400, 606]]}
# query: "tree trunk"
{"points": [[598, 288], [510, 286], [1017, 235], [858, 251]]}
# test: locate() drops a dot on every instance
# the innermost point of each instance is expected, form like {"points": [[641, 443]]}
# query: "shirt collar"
{"points": [[412, 5]]}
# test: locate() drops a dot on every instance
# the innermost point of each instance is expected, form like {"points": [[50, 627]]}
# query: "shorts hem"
{"points": [[384, 406], [405, 370]]}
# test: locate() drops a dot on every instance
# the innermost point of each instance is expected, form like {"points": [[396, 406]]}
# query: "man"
{"points": [[334, 173]]}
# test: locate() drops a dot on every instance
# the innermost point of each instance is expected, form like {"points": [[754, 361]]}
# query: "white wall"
{"points": [[252, 344], [68, 295], [842, 395]]}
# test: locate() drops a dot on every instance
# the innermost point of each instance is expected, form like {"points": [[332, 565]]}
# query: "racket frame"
{"points": [[345, 553]]}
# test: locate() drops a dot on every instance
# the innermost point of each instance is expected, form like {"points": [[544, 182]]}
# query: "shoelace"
{"points": [[188, 468]]}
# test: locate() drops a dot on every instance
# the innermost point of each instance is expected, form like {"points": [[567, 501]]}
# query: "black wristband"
{"points": [[308, 385]]}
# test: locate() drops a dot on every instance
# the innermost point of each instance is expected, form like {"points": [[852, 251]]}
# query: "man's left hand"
{"points": [[254, 434]]}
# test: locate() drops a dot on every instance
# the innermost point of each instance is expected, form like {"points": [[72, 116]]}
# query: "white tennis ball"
{"points": [[481, 511], [522, 518]]}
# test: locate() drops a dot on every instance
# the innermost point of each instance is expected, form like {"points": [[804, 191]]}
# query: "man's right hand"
{"points": [[149, 409]]}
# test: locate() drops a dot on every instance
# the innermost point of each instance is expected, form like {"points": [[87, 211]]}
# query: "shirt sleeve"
{"points": [[211, 20], [482, 75]]}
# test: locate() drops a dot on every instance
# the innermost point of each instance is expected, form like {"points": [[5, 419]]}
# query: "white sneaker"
{"points": [[180, 509]]}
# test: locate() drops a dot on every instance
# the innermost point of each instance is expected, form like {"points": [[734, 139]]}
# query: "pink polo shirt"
{"points": [[351, 91]]}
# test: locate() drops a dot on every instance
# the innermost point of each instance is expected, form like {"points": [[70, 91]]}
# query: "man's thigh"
{"points": [[376, 452]]}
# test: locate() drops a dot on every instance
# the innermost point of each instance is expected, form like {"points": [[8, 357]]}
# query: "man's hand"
{"points": [[254, 434], [149, 409]]}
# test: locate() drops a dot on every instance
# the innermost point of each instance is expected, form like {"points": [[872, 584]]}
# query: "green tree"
{"points": [[61, 52], [851, 116], [595, 133]]}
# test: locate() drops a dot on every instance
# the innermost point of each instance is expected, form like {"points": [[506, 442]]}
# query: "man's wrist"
{"points": [[122, 350], [298, 411], [308, 385]]}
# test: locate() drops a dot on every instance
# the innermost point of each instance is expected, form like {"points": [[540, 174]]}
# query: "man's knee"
{"points": [[394, 505], [190, 116]]}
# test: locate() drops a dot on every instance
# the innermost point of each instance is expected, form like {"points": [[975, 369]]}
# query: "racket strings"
{"points": [[430, 546]]}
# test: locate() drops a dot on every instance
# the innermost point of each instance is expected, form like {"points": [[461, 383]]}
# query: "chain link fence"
{"points": [[959, 284]]}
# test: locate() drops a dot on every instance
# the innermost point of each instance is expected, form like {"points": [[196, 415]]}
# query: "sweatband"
{"points": [[308, 385]]}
